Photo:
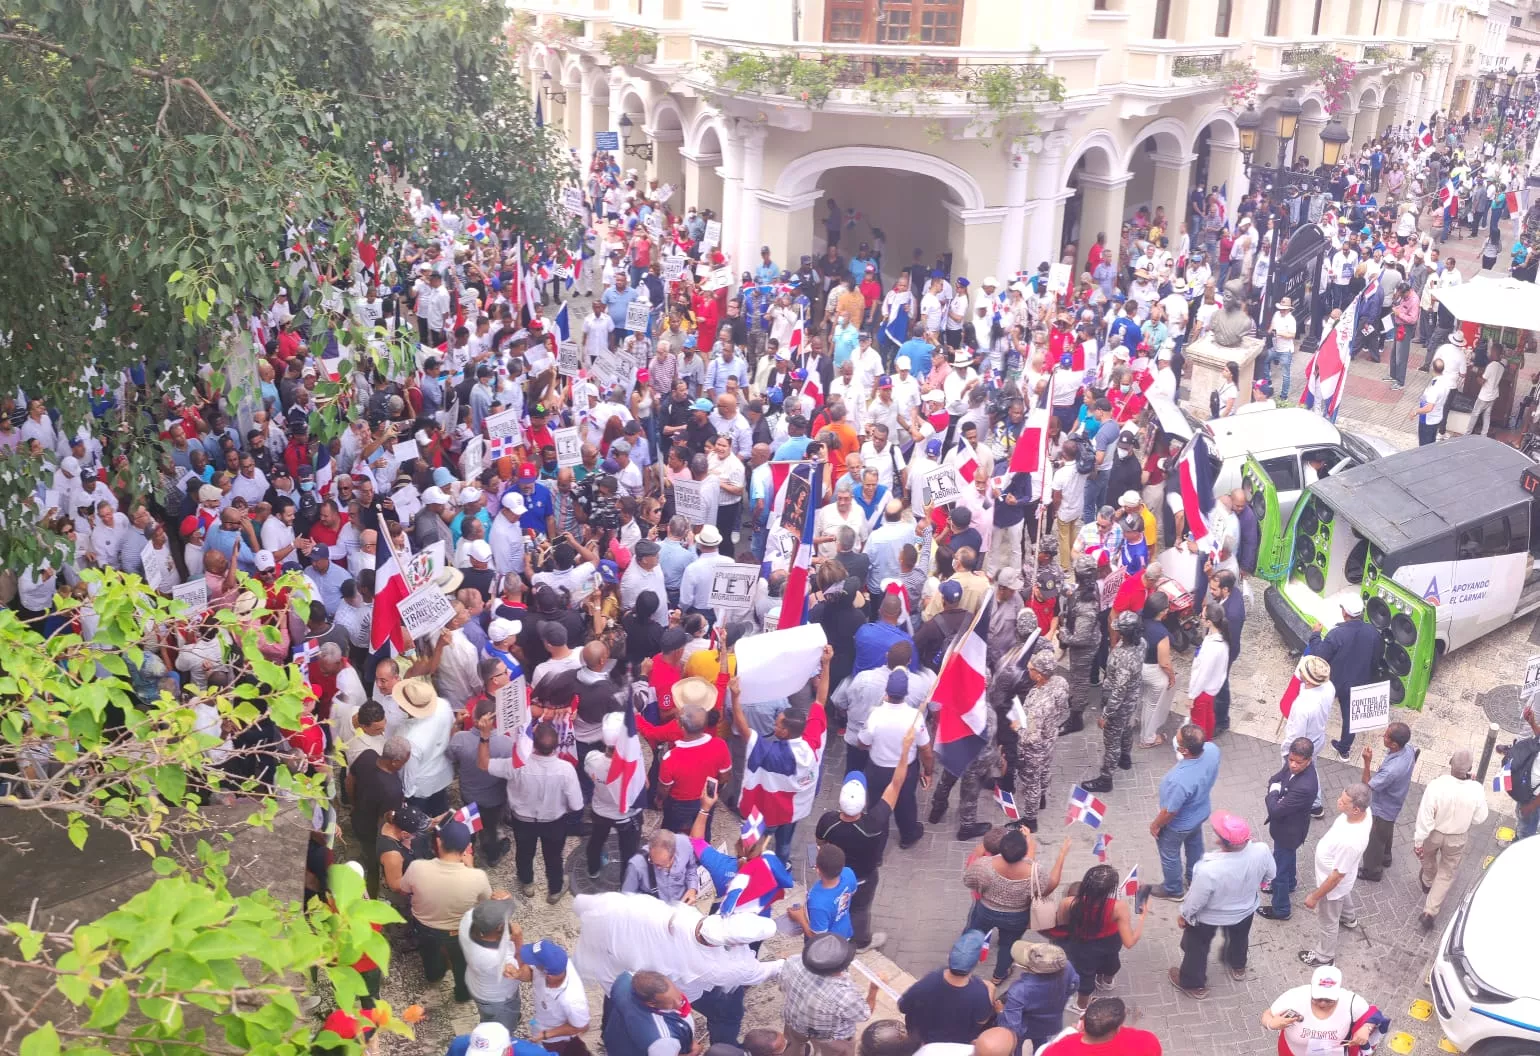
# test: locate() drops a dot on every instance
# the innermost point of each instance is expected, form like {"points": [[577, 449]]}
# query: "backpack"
{"points": [[1520, 762], [1085, 457], [1213, 404]]}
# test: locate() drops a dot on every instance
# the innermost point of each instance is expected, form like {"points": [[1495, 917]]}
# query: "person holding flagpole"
{"points": [[1042, 712]]}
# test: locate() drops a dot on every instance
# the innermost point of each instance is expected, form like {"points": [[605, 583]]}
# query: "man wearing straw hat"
{"points": [[1310, 712], [1283, 329]]}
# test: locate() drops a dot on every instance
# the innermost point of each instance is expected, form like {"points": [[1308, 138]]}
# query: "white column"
{"points": [[1013, 225], [1367, 126], [1047, 181], [665, 166], [731, 171], [585, 143], [1413, 109], [1101, 209], [1227, 169], [752, 136]]}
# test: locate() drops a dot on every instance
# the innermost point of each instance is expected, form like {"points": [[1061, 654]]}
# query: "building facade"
{"points": [[995, 132]]}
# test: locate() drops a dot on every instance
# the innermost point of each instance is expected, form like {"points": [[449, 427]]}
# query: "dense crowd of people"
{"points": [[897, 458]]}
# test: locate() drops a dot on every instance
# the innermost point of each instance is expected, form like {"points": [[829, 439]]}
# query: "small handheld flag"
{"points": [[1007, 803], [469, 816], [502, 447], [1503, 780], [1131, 882], [1100, 848], [984, 950], [753, 829], [305, 652], [1086, 808]]}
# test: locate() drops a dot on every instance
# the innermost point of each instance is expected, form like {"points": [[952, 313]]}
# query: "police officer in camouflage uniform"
{"points": [[1045, 708], [1122, 684], [1007, 680], [1080, 634], [974, 778]]}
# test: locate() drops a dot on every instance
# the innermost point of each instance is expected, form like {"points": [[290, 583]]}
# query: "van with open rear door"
{"points": [[1438, 541]]}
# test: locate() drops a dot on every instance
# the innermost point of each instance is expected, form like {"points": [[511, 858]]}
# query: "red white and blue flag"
{"points": [[795, 341], [502, 447], [1326, 373], [1086, 808], [524, 745], [1195, 473], [1100, 847], [305, 652], [1007, 803], [1031, 451], [758, 885], [1502, 781], [966, 459], [368, 255], [778, 773], [794, 602], [563, 324], [627, 770], [469, 816], [390, 590], [961, 722], [1424, 136], [1131, 882]]}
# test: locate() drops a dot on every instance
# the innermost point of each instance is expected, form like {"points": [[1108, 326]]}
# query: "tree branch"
{"points": [[160, 118]]}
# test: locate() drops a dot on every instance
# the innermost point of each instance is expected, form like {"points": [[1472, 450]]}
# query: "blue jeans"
{"points": [[1095, 494], [783, 835], [504, 1012], [1279, 358], [1527, 823], [723, 1010], [1443, 235], [1286, 880], [1011, 926], [1171, 843]]}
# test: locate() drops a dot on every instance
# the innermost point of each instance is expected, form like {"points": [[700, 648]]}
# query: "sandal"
{"points": [[1160, 739]]}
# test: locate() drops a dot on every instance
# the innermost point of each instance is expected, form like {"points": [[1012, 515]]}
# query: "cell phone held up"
{"points": [[1141, 896], [711, 787]]}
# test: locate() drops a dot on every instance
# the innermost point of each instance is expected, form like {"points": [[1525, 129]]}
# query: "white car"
{"points": [[1485, 977]]}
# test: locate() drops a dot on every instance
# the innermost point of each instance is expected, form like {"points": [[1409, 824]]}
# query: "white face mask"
{"points": [[1178, 749]]}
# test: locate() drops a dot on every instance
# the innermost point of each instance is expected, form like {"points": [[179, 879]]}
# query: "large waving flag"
{"points": [[778, 774], [1424, 136], [1326, 373], [1031, 451], [1196, 474], [627, 770], [794, 602], [563, 324], [897, 331], [390, 590], [368, 255], [961, 723], [966, 459]]}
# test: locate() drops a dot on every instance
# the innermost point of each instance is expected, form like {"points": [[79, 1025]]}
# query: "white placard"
{"points": [[154, 566], [654, 224], [690, 500], [571, 360], [775, 665], [605, 368], [721, 278], [407, 500], [503, 423], [406, 450], [572, 201], [1531, 680], [673, 268], [512, 707], [637, 313], [425, 611], [713, 235], [1058, 278], [663, 194], [195, 594], [732, 587], [538, 357], [1369, 707], [940, 487], [569, 447]]}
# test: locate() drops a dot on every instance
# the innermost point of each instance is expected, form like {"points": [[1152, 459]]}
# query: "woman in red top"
{"points": [[1095, 926]]}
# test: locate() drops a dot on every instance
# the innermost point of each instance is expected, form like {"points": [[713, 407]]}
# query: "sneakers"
{"points": [[1197, 993], [937, 811], [1318, 812], [1271, 914], [1103, 983], [1161, 892], [973, 830], [553, 898], [1351, 925], [1125, 761], [1097, 784], [1310, 959]]}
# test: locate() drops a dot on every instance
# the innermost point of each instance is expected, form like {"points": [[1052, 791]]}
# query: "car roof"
{"points": [[1269, 430], [1426, 493], [1500, 943]]}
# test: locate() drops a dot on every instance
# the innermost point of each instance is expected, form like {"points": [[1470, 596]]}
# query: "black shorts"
{"points": [[952, 338]]}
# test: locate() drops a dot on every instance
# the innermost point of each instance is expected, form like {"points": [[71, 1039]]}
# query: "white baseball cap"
{"points": [[502, 630], [478, 550], [853, 793], [264, 561], [513, 502], [435, 497]]}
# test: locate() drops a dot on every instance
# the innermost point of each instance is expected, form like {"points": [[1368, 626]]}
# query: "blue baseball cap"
{"points": [[702, 404], [966, 952], [544, 955], [609, 570], [898, 682]]}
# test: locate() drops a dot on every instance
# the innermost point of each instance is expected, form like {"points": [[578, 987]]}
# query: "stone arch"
{"points": [[665, 105], [1222, 130], [1169, 134], [572, 73], [1371, 96], [633, 90], [800, 177], [707, 120], [1099, 145]]}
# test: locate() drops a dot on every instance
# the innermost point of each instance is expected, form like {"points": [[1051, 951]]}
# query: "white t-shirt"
{"points": [[566, 1005], [1318, 1037], [1340, 850], [1435, 395], [484, 965], [1492, 378], [1068, 481]]}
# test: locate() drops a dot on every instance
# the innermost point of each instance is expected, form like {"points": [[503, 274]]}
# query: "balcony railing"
{"points": [[1196, 65], [1293, 58], [859, 71]]}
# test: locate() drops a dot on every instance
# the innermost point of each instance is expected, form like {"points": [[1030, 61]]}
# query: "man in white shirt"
{"points": [[933, 307], [883, 737], [1430, 410], [956, 315], [1338, 855], [427, 726], [1491, 383], [597, 329], [1343, 263], [1069, 497], [560, 1002], [1451, 804]]}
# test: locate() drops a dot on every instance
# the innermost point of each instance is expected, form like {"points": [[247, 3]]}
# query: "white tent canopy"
{"points": [[1504, 302]]}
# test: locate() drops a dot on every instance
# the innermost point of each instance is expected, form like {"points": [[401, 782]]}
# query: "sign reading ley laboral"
{"points": [[940, 486], [1369, 707], [425, 611]]}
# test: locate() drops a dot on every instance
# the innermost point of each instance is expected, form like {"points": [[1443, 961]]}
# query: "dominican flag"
{"points": [[469, 816], [1511, 200], [1131, 882], [756, 887], [574, 269], [1100, 847], [794, 601], [1224, 198], [753, 829], [475, 229], [1007, 804], [305, 652], [563, 324], [961, 723], [966, 460], [389, 592], [777, 773], [1448, 200], [1085, 807], [502, 447], [543, 270], [895, 588], [1424, 136], [524, 746], [1291, 691], [897, 331], [1196, 475], [627, 770], [1503, 780], [1326, 373], [795, 341], [1031, 451], [368, 255], [810, 384]]}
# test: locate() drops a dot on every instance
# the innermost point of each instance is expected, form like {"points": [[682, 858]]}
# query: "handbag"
{"points": [[1042, 914]]}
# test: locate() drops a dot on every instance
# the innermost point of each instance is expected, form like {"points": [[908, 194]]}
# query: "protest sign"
{"points": [[673, 268], [569, 447], [690, 500], [721, 278], [713, 236], [777, 664], [195, 594], [504, 423], [940, 487], [605, 368], [654, 224], [664, 193], [571, 360], [512, 707], [1058, 277], [636, 315], [1369, 707], [425, 610], [407, 500], [406, 450], [572, 201], [732, 587], [1531, 680], [155, 566]]}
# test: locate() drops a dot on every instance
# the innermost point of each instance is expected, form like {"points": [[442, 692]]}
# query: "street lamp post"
{"points": [[642, 150], [555, 95], [1509, 80], [1281, 179]]}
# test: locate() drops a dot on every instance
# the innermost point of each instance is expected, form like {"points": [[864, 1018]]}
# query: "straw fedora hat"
{"points": [[416, 696]]}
